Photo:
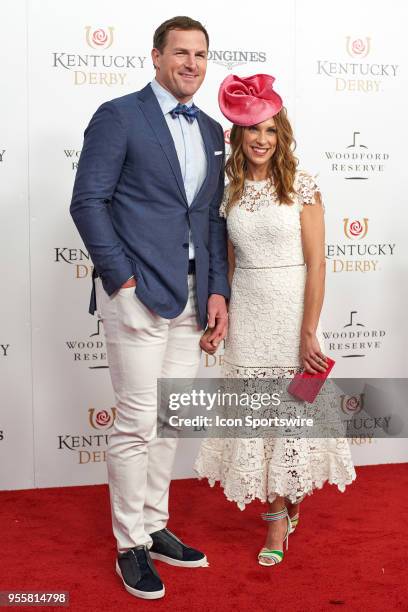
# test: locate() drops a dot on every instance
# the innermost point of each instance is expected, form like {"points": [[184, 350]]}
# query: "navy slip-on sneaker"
{"points": [[138, 574], [168, 548]]}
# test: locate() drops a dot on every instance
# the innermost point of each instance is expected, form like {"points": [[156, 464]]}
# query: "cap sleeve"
{"points": [[308, 190]]}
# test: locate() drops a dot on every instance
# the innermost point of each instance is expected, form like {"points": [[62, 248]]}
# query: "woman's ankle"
{"points": [[293, 509]]}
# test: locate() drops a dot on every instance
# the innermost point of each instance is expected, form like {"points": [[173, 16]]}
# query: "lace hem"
{"points": [[271, 481]]}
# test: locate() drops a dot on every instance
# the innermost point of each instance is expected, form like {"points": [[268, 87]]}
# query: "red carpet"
{"points": [[349, 552]]}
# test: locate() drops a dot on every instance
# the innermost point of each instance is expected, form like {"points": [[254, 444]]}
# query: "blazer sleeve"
{"points": [[99, 169], [218, 271]]}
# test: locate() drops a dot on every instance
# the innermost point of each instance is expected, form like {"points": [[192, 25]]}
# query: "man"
{"points": [[146, 197]]}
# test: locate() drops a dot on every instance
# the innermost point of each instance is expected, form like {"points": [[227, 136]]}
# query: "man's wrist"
{"points": [[129, 282], [217, 295]]}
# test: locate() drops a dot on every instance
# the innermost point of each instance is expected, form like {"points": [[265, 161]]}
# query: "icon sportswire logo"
{"points": [[99, 38]]}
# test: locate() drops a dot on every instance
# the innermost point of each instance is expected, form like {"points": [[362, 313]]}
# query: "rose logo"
{"points": [[103, 419], [352, 404], [358, 47], [99, 38], [355, 229]]}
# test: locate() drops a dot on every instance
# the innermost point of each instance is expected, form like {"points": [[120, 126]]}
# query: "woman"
{"points": [[275, 221]]}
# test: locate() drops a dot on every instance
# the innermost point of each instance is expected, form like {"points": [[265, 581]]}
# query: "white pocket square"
{"points": [[218, 152]]}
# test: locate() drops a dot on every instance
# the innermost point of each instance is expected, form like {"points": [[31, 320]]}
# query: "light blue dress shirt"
{"points": [[189, 146]]}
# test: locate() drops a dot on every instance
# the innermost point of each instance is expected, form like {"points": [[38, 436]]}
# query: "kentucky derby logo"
{"points": [[358, 47], [356, 75], [97, 67], [355, 229], [352, 404], [101, 419], [99, 38]]}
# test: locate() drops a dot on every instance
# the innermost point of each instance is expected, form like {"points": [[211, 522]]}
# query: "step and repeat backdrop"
{"points": [[342, 71]]}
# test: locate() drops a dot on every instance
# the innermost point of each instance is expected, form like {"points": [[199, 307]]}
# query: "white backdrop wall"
{"points": [[342, 70]]}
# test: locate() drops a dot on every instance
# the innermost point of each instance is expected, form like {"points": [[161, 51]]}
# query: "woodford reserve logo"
{"points": [[73, 155], [354, 339], [358, 255], [91, 448], [356, 162], [357, 76], [98, 68], [90, 351]]}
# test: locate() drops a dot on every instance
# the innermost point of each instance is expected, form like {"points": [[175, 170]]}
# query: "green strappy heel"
{"points": [[293, 522], [267, 553]]}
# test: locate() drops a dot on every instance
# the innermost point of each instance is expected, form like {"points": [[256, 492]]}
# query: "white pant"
{"points": [[142, 347]]}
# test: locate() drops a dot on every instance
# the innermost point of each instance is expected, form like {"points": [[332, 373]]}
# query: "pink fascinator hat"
{"points": [[248, 101]]}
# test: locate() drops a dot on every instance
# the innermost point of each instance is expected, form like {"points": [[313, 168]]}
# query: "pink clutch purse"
{"points": [[306, 386]]}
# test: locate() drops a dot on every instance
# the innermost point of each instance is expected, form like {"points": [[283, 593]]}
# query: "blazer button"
{"points": [[185, 245]]}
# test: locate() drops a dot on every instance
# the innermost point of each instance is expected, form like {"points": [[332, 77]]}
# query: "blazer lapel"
{"points": [[153, 113], [209, 151]]}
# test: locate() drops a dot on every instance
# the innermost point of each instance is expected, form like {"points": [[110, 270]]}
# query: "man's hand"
{"points": [[217, 324], [131, 282]]}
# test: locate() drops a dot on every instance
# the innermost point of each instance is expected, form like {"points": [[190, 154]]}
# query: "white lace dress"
{"points": [[266, 310]]}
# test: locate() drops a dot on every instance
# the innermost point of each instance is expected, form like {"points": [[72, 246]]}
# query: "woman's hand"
{"points": [[311, 357], [205, 344]]}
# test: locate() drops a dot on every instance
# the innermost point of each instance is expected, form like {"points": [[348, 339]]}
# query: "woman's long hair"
{"points": [[282, 164]]}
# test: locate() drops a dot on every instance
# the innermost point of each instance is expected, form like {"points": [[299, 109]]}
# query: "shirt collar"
{"points": [[166, 99]]}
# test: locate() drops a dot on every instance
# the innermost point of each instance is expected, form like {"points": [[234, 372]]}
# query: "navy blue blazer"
{"points": [[131, 209]]}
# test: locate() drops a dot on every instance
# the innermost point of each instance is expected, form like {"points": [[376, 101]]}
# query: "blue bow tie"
{"points": [[189, 112]]}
